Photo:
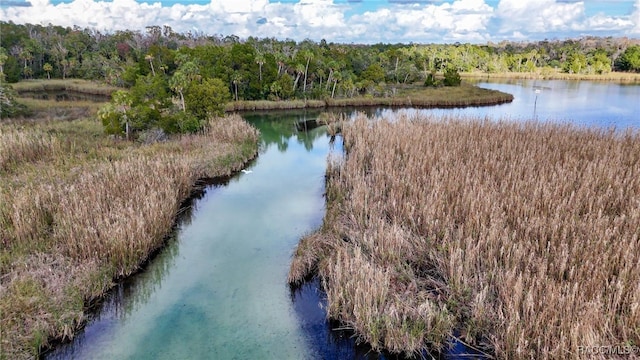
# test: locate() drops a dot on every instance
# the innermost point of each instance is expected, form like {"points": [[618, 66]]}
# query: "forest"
{"points": [[261, 68], [169, 74]]}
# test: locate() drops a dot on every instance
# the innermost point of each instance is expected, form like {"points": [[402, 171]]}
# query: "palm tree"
{"points": [[309, 55], [236, 78], [47, 68], [260, 61], [336, 78], [149, 58], [299, 69]]}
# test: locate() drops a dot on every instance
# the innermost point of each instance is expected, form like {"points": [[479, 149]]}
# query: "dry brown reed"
{"points": [[552, 74], [18, 146], [87, 215], [521, 237]]}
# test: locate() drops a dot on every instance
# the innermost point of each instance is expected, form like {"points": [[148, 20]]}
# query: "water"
{"points": [[589, 104], [218, 290]]}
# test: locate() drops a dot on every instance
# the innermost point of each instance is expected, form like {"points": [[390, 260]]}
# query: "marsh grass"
{"points": [[520, 237], [78, 85], [552, 74], [249, 105], [430, 97], [79, 209], [405, 95]]}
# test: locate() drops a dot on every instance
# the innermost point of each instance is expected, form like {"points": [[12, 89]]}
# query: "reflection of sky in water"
{"points": [[584, 103]]}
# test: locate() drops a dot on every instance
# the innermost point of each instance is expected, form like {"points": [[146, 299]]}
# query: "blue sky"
{"points": [[347, 21]]}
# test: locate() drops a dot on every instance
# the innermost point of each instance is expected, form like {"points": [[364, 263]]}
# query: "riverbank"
{"points": [[399, 95], [486, 231], [79, 210], [550, 74]]}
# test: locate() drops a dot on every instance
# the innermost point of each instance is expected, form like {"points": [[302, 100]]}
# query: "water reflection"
{"points": [[280, 132], [583, 103]]}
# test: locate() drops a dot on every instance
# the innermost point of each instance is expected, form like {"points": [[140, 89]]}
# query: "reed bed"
{"points": [[74, 220], [552, 74], [521, 239], [249, 105], [414, 96], [78, 85], [17, 147], [463, 96]]}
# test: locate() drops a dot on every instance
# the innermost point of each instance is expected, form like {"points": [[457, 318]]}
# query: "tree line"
{"points": [[159, 65]]}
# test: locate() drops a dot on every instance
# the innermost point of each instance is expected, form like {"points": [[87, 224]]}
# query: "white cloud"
{"points": [[603, 23], [460, 20], [534, 16], [429, 23], [635, 18]]}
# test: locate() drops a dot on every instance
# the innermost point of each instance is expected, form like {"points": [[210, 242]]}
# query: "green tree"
{"points": [[150, 99], [629, 60], [182, 79], [236, 78], [115, 115], [3, 60], [373, 72], [8, 106], [451, 77], [207, 98], [282, 88], [47, 68], [431, 79], [599, 62], [576, 63]]}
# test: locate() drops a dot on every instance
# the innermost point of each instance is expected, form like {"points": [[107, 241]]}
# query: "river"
{"points": [[218, 290]]}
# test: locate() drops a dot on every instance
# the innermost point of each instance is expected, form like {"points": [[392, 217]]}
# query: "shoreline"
{"points": [[616, 77], [93, 305], [416, 96]]}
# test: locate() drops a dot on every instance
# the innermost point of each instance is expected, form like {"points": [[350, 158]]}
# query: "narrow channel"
{"points": [[219, 289]]}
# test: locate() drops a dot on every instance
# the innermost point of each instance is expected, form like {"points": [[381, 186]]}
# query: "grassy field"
{"points": [[79, 209], [519, 239]]}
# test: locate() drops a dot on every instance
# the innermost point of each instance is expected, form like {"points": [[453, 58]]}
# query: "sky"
{"points": [[345, 21]]}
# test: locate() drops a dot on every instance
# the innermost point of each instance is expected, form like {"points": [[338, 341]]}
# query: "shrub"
{"points": [[451, 77]]}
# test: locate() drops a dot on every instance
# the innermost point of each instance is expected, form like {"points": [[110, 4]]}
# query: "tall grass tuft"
{"points": [[520, 237], [17, 147]]}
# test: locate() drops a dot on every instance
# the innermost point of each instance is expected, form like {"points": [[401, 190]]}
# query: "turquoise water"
{"points": [[218, 290]]}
